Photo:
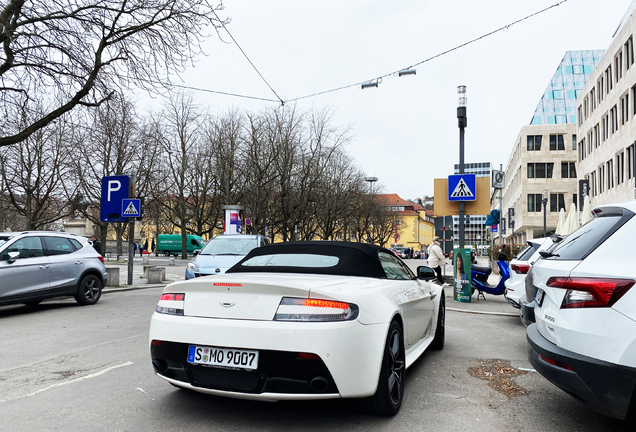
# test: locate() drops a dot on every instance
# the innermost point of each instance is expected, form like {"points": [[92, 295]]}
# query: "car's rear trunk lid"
{"points": [[245, 296]]}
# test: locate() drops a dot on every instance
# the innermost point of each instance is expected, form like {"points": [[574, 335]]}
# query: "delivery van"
{"points": [[171, 244]]}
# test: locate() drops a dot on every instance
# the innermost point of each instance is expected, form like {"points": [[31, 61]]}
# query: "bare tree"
{"points": [[36, 177], [115, 143], [76, 52], [179, 136]]}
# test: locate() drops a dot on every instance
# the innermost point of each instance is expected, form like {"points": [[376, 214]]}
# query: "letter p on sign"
{"points": [[113, 186]]}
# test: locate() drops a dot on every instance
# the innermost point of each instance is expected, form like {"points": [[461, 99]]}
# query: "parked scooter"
{"points": [[479, 278]]}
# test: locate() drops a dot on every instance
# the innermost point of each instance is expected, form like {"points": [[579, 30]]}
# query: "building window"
{"points": [[568, 170], [557, 202], [534, 202], [620, 168], [573, 142], [556, 142], [610, 174], [630, 161], [540, 170], [629, 53], [534, 142]]}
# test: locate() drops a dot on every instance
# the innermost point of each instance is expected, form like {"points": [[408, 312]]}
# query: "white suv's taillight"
{"points": [[520, 268], [314, 310], [590, 292], [171, 304]]}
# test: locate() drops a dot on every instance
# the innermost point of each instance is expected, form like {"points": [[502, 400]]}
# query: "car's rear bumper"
{"points": [[526, 311], [350, 356], [604, 387]]}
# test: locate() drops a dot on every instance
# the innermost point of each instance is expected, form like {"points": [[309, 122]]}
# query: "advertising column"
{"points": [[462, 291], [232, 223]]}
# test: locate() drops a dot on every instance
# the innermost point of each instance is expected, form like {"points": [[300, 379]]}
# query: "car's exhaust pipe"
{"points": [[319, 384]]}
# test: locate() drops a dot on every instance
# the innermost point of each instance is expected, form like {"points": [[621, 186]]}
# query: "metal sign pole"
{"points": [[131, 228]]}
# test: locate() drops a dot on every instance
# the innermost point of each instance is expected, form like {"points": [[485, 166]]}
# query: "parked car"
{"points": [[36, 265], [519, 266], [584, 339], [221, 253], [300, 320], [527, 301], [172, 244]]}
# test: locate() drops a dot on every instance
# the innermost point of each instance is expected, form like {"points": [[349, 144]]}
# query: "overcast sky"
{"points": [[405, 131]]}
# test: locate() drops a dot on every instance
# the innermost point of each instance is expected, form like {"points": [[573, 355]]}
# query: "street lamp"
{"points": [[544, 201], [371, 180], [462, 123]]}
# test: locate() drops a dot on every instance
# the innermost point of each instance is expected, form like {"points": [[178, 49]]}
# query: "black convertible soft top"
{"points": [[354, 259]]}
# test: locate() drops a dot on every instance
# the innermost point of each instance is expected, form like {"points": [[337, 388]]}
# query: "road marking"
{"points": [[93, 375]]}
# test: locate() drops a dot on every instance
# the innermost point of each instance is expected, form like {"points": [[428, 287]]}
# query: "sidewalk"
{"points": [[494, 304], [139, 282]]}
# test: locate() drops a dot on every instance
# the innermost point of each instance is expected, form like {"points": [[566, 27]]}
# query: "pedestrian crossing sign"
{"points": [[462, 187], [131, 208]]}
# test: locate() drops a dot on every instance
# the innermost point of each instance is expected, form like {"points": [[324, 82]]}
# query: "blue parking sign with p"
{"points": [[114, 191]]}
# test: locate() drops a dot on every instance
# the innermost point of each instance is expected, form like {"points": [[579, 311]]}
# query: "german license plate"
{"points": [[223, 357], [539, 296]]}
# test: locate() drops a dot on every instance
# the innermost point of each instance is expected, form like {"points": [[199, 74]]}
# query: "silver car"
{"points": [[222, 252], [37, 265]]}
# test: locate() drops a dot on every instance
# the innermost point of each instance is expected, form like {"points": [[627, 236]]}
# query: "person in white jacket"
{"points": [[436, 258]]}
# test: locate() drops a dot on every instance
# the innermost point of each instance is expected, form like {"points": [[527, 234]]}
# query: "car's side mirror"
{"points": [[426, 273], [13, 255], [196, 252]]}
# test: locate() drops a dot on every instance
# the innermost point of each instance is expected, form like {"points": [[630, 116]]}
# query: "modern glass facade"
{"points": [[558, 104], [475, 232]]}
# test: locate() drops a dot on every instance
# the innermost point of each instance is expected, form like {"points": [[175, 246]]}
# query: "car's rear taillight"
{"points": [[101, 258], [171, 304], [520, 268], [590, 292], [312, 310]]}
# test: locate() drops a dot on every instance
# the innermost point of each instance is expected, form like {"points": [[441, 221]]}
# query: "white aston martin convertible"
{"points": [[301, 320]]}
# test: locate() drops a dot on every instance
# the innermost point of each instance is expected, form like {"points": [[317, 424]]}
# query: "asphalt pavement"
{"points": [[70, 368]]}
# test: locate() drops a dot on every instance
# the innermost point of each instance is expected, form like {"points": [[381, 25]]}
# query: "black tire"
{"points": [[440, 332], [166, 253], [387, 399], [89, 291], [32, 303]]}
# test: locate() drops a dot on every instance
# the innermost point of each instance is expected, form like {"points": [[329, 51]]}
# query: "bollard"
{"points": [[120, 258], [154, 275], [163, 273], [146, 260], [171, 261], [145, 270], [113, 276]]}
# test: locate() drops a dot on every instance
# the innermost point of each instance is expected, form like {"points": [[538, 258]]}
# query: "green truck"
{"points": [[171, 244]]}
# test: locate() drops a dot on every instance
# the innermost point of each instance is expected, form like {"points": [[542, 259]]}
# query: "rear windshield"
{"points": [[525, 254], [229, 246], [586, 239], [292, 260]]}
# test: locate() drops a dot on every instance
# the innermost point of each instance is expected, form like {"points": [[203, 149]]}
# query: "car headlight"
{"points": [[315, 310], [192, 267]]}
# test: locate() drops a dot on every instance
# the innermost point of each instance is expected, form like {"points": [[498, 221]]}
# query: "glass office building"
{"points": [[558, 104], [475, 232]]}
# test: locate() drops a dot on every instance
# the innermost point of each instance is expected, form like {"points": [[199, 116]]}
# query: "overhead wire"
{"points": [[248, 59], [379, 79]]}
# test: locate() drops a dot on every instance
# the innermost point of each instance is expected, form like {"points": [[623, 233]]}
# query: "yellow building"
{"points": [[415, 230]]}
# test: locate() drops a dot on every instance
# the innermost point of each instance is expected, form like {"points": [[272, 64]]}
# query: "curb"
{"points": [[482, 312], [131, 288]]}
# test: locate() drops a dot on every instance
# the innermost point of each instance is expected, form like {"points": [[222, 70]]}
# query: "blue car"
{"points": [[221, 253]]}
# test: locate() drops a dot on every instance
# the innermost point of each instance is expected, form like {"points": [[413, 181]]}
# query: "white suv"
{"points": [[519, 266], [584, 339]]}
